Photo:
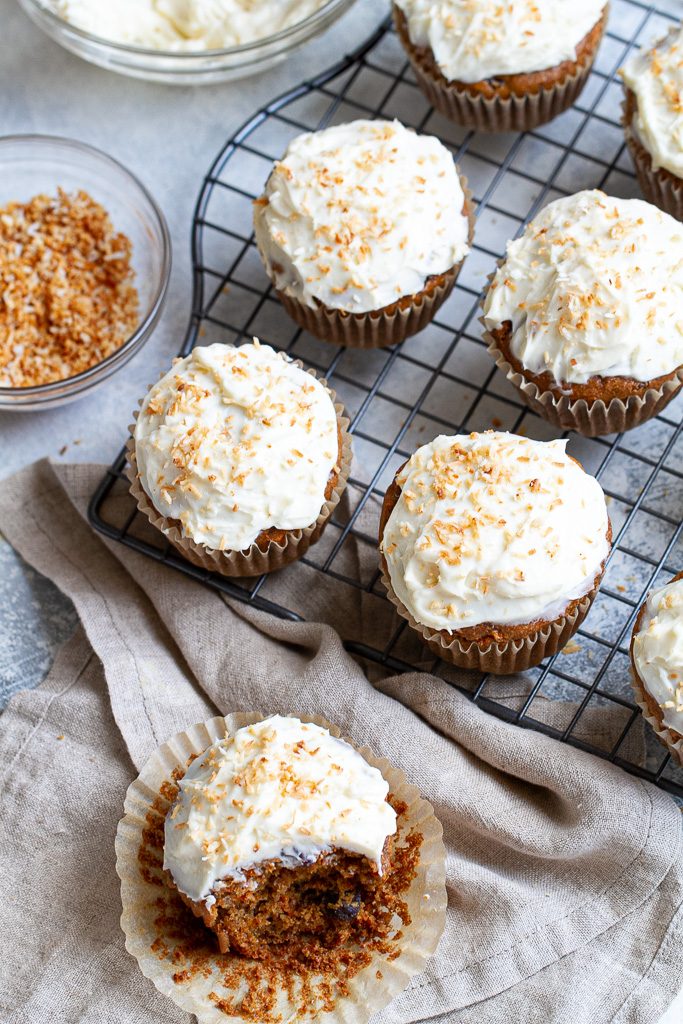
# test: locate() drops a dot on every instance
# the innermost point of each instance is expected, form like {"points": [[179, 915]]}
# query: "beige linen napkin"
{"points": [[565, 874]]}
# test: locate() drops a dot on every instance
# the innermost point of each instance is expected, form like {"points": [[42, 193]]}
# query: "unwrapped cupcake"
{"points": [[496, 66], [239, 456], [657, 663], [362, 228], [585, 313], [493, 547], [270, 871], [653, 81]]}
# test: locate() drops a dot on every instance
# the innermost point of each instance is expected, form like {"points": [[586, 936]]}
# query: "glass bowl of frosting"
{"points": [[184, 42]]}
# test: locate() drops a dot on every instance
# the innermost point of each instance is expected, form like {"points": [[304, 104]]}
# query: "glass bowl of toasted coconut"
{"points": [[183, 42], [85, 259]]}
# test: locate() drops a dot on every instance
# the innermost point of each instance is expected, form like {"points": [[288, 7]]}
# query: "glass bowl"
{"points": [[196, 68], [31, 164]]}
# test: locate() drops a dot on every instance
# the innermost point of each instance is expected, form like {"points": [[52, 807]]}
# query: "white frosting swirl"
{"points": [[359, 215], [655, 75], [594, 287], [658, 651], [493, 528], [233, 441], [280, 789], [185, 25], [477, 39]]}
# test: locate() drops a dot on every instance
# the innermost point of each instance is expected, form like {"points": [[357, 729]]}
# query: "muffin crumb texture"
{"points": [[301, 924], [67, 298]]}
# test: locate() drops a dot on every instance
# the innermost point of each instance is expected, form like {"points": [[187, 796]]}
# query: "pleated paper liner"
{"points": [[660, 187], [382, 327], [157, 943], [253, 561], [495, 114], [669, 738], [498, 659]]}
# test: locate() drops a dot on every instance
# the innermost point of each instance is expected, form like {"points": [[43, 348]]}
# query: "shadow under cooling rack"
{"points": [[443, 381]]}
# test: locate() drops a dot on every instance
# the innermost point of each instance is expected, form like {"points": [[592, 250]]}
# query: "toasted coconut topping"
{"points": [[477, 39], [67, 298], [493, 528], [658, 651], [655, 75]]}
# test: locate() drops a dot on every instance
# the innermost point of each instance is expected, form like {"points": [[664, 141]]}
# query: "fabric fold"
{"points": [[559, 864]]}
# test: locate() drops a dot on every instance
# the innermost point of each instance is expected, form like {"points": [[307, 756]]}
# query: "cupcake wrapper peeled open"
{"points": [[253, 561], [658, 186], [498, 659], [494, 114], [367, 992], [379, 328]]}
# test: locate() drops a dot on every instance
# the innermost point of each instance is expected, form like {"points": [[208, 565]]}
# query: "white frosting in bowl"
{"points": [[359, 215], [185, 25], [281, 789], [594, 287], [477, 39], [234, 441], [655, 75], [658, 651], [493, 528]]}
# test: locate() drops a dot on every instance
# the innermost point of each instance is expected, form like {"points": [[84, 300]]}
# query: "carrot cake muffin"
{"points": [[240, 457], [584, 313], [493, 546], [281, 834], [657, 663], [653, 82], [362, 229], [501, 66]]}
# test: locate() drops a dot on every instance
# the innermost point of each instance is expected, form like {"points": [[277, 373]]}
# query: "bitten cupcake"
{"points": [[239, 456], [362, 228], [657, 663], [585, 313], [493, 547], [496, 66], [653, 82], [271, 871]]}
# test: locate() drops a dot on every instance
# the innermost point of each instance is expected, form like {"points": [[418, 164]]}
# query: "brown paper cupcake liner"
{"points": [[591, 419], [382, 327], [664, 735], [672, 741], [498, 659], [660, 187], [493, 114], [254, 560], [368, 992]]}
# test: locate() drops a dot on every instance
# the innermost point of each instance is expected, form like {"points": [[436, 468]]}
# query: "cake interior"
{"points": [[334, 900]]}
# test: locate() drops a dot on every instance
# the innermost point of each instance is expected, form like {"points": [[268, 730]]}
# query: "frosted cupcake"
{"points": [[493, 547], [362, 228], [657, 663], [239, 456], [653, 82], [497, 66], [584, 314], [272, 871]]}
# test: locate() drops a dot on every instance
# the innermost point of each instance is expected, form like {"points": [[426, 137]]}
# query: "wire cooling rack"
{"points": [[443, 381]]}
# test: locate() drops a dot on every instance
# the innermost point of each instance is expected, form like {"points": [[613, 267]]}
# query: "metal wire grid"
{"points": [[442, 380]]}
